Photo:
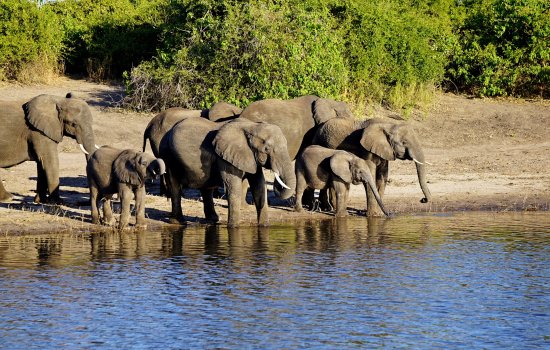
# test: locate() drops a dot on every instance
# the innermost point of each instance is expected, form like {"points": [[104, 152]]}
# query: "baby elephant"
{"points": [[111, 170], [318, 167]]}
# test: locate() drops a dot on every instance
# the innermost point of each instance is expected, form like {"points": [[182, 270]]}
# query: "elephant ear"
{"points": [[375, 140], [42, 113], [340, 166], [326, 108], [127, 168], [231, 144]]}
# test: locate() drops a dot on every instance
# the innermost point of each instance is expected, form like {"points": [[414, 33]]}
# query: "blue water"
{"points": [[457, 281]]}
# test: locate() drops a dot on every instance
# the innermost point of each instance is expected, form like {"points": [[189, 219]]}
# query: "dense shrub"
{"points": [[30, 41], [240, 52], [505, 48], [244, 51], [107, 37]]}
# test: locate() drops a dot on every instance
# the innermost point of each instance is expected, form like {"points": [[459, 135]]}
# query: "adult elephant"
{"points": [[378, 141], [33, 132], [297, 117], [205, 155], [160, 124]]}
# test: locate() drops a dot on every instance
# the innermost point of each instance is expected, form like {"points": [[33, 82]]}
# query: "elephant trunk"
{"points": [[420, 163], [285, 172], [86, 141], [159, 167], [372, 185]]}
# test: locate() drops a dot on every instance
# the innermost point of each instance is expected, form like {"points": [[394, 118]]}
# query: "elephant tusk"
{"points": [[83, 149], [280, 181], [96, 146], [416, 161]]}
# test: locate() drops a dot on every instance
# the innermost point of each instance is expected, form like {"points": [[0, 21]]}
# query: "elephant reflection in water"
{"points": [[109, 244], [340, 233]]}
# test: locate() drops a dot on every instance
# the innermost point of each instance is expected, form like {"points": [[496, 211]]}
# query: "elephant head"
{"points": [[58, 116], [250, 145], [352, 169], [392, 141], [326, 108], [223, 111], [135, 167]]}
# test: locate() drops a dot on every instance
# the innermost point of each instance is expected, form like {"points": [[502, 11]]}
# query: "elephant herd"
{"points": [[307, 142]]}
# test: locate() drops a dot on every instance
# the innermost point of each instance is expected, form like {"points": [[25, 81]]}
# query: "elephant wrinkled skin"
{"points": [[110, 171], [378, 141], [32, 132], [318, 167], [205, 155]]}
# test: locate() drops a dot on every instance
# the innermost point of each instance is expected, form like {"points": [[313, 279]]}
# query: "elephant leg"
{"points": [[301, 187], [259, 193], [94, 195], [208, 204], [341, 190], [244, 191], [108, 217], [41, 184], [373, 209], [326, 199], [382, 172], [125, 193], [233, 186], [50, 166], [4, 195], [174, 187], [308, 197], [139, 194]]}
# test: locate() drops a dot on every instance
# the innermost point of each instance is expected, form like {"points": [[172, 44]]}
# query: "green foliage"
{"points": [[30, 38], [107, 37], [505, 48], [244, 51], [241, 52]]}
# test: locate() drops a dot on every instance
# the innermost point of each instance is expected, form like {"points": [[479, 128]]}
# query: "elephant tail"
{"points": [[146, 135]]}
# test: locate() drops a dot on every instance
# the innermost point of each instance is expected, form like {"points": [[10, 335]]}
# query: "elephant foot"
{"points": [[5, 197], [48, 200], [213, 219], [177, 221]]}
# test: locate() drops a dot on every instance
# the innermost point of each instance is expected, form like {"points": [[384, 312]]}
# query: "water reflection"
{"points": [[461, 281]]}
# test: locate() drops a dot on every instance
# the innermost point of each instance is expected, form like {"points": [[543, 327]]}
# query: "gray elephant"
{"points": [[114, 171], [378, 141], [318, 167], [33, 132], [160, 124], [205, 155], [297, 117]]}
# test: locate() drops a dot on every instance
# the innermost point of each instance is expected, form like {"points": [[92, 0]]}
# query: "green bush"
{"points": [[107, 37], [30, 41], [241, 52], [504, 48]]}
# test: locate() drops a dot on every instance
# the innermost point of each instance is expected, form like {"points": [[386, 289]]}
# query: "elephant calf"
{"points": [[318, 167], [111, 170]]}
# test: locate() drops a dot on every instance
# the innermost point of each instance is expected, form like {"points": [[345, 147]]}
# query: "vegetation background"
{"points": [[191, 53]]}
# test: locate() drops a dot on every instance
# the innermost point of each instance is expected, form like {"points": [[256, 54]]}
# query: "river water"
{"points": [[466, 280]]}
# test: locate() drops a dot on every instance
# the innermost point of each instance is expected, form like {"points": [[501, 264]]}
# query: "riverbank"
{"points": [[487, 154]]}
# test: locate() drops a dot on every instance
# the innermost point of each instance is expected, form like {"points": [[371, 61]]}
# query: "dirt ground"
{"points": [[487, 154]]}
